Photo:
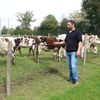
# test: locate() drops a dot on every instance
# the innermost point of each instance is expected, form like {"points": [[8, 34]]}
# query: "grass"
{"points": [[47, 80]]}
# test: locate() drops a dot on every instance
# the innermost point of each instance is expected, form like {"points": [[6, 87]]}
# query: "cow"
{"points": [[52, 43], [61, 37], [4, 48], [89, 43], [59, 53]]}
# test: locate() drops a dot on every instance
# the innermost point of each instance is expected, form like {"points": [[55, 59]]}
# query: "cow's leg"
{"points": [[59, 57], [30, 49], [13, 61], [37, 54], [19, 49], [54, 56], [33, 52], [82, 52]]}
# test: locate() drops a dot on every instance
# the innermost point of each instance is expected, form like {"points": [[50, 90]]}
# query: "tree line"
{"points": [[87, 21]]}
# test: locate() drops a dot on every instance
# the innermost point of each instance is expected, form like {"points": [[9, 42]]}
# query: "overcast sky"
{"points": [[40, 8]]}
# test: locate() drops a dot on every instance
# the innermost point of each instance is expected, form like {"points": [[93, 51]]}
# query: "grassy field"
{"points": [[47, 80]]}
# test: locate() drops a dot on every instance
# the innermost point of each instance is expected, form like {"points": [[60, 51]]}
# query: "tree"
{"points": [[49, 25], [36, 31], [11, 31], [92, 10], [25, 19], [4, 30], [63, 26], [77, 16], [22, 31]]}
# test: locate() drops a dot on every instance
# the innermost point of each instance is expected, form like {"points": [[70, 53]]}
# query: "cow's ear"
{"points": [[6, 40]]}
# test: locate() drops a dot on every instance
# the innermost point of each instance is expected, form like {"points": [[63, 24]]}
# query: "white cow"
{"points": [[89, 43], [61, 37], [4, 48]]}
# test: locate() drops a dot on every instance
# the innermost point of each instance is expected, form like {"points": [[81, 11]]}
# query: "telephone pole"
{"points": [[8, 25], [0, 26]]}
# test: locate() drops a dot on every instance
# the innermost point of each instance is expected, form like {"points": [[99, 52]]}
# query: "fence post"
{"points": [[8, 68], [85, 50]]}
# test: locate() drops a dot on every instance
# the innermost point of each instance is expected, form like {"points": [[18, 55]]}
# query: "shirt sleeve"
{"points": [[79, 36]]}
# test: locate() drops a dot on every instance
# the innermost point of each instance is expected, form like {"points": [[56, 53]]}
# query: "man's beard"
{"points": [[69, 29]]}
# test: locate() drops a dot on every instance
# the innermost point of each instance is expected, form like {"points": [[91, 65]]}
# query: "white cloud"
{"points": [[40, 8]]}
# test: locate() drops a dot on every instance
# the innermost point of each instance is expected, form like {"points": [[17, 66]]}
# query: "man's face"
{"points": [[70, 26]]}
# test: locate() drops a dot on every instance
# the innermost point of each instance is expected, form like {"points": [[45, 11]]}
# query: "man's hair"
{"points": [[72, 21]]}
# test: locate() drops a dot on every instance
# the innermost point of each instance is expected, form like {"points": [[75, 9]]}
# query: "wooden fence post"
{"points": [[85, 50], [8, 68]]}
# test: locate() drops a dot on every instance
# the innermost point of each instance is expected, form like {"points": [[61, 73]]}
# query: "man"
{"points": [[73, 42]]}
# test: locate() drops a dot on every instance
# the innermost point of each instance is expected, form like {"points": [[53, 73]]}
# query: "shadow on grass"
{"points": [[32, 76], [56, 72]]}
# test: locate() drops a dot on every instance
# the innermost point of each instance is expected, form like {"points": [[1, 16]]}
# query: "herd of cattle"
{"points": [[46, 43]]}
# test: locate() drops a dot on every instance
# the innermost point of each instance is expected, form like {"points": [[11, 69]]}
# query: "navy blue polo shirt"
{"points": [[72, 39]]}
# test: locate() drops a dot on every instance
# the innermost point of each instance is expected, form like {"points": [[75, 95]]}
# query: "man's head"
{"points": [[70, 25]]}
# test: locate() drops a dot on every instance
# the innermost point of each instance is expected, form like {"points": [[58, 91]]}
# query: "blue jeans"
{"points": [[72, 64]]}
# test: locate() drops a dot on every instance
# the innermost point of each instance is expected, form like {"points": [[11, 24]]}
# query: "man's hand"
{"points": [[79, 49], [78, 53]]}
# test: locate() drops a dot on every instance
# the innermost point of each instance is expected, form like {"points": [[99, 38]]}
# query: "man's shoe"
{"points": [[75, 82]]}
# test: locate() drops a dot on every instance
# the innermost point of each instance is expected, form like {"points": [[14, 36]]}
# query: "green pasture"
{"points": [[47, 80]]}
